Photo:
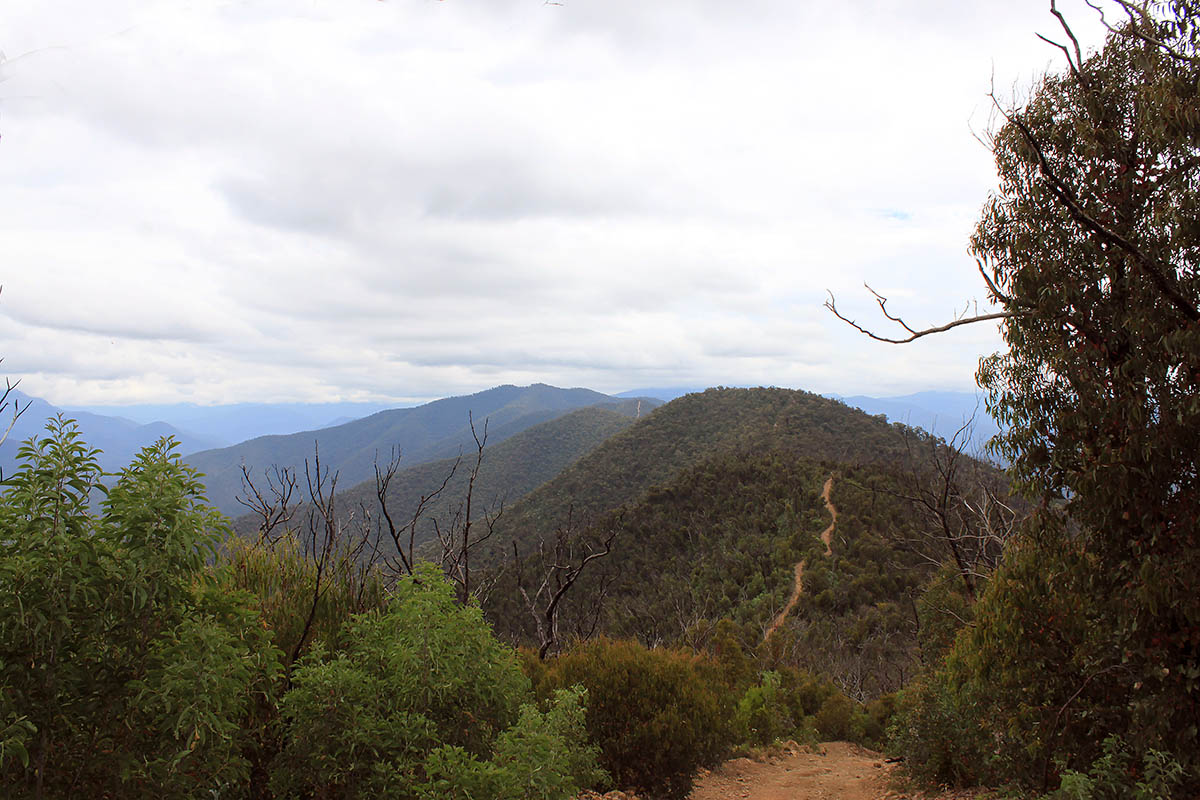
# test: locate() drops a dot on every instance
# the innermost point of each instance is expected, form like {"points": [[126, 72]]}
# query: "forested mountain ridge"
{"points": [[719, 544], [509, 470], [433, 431], [686, 432]]}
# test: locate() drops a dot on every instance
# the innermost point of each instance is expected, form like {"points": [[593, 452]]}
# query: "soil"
{"points": [[831, 771]]}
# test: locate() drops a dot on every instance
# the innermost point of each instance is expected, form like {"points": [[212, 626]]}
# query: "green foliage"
{"points": [[283, 583], [762, 716], [936, 730], [942, 610], [1116, 776], [544, 756], [656, 715], [422, 701], [121, 671], [836, 719], [423, 674], [1092, 627], [1090, 243]]}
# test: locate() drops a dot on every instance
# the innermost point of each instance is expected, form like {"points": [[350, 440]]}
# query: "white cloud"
{"points": [[273, 200]]}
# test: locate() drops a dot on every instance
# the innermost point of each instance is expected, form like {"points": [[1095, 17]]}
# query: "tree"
{"points": [[424, 702], [1089, 247], [1091, 244]]}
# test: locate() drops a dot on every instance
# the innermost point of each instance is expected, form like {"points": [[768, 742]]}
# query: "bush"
{"points": [[837, 719], [936, 730], [657, 715], [424, 702], [1114, 776], [762, 715], [122, 671]]}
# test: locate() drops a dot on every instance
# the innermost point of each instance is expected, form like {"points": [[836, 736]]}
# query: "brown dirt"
{"points": [[830, 771], [798, 588], [827, 534], [833, 771]]}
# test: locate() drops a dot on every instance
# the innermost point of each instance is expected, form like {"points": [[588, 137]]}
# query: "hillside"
{"points": [[509, 471], [722, 541], [425, 433], [691, 429], [723, 537]]}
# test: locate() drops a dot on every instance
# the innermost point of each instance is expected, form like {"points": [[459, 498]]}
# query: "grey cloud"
{"points": [[144, 328]]}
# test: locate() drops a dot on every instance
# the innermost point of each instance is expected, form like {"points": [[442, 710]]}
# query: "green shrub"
{"points": [[122, 671], [762, 715], [877, 719], [1114, 776], [657, 715], [837, 720], [425, 702], [544, 756], [936, 729]]}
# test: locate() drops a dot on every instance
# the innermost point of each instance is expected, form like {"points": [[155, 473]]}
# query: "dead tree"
{"points": [[271, 505], [404, 537], [561, 567], [965, 512], [338, 550], [463, 534]]}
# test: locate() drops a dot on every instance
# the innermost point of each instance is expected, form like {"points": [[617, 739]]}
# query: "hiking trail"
{"points": [[798, 588]]}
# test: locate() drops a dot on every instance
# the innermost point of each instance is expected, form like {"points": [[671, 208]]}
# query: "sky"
{"points": [[397, 200]]}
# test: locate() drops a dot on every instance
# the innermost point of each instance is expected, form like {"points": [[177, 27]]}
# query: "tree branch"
{"points": [[913, 333]]}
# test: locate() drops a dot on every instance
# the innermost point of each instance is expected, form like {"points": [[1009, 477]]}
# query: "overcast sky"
{"points": [[319, 200]]}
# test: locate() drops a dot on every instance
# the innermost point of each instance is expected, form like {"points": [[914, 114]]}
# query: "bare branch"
{"points": [[914, 334], [274, 508], [1077, 65]]}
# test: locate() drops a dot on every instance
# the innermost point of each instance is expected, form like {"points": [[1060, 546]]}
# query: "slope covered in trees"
{"points": [[684, 433], [433, 431], [509, 470], [711, 551], [713, 554]]}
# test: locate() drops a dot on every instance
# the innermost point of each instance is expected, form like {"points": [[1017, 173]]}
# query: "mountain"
{"points": [[229, 424], [436, 430], [716, 500], [690, 429], [509, 471], [117, 438]]}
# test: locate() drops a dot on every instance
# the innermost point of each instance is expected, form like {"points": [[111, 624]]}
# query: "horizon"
{"points": [[661, 195]]}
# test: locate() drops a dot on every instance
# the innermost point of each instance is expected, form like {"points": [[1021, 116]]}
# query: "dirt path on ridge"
{"points": [[832, 771], [798, 588], [827, 534]]}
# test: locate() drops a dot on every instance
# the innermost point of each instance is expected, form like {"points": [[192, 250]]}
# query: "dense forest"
{"points": [[732, 569]]}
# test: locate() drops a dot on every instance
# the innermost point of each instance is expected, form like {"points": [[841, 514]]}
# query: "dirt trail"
{"points": [[833, 771], [798, 587], [827, 534]]}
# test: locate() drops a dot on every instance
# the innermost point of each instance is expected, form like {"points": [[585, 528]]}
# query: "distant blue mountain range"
{"points": [[224, 425], [118, 438]]}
